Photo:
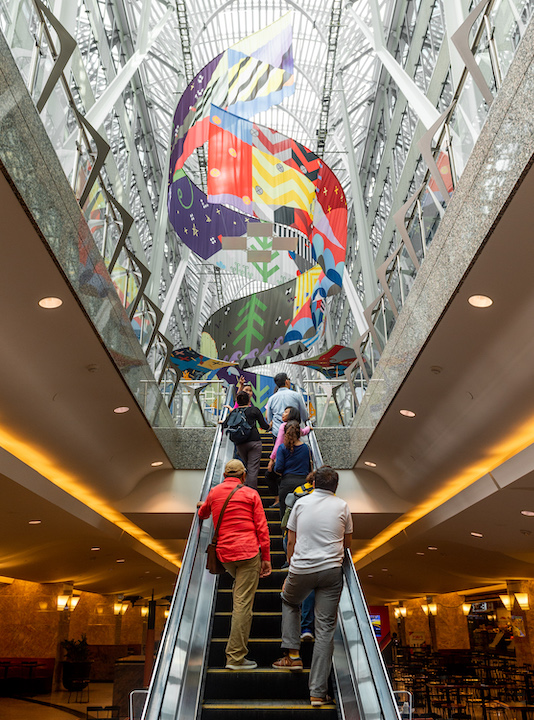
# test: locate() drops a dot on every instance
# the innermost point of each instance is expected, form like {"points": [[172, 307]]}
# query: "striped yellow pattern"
{"points": [[281, 188], [305, 284]]}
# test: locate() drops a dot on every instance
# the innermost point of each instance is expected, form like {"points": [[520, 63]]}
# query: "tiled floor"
{"points": [[18, 709]]}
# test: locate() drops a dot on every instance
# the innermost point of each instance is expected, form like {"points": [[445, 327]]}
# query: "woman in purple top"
{"points": [[293, 462]]}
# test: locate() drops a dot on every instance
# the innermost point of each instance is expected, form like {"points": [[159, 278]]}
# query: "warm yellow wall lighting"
{"points": [[424, 608], [518, 439], [47, 467], [144, 611], [433, 609], [506, 601], [522, 599], [466, 608]]}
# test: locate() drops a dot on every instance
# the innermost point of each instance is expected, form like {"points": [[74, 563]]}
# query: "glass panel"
{"points": [[506, 35], [466, 123]]}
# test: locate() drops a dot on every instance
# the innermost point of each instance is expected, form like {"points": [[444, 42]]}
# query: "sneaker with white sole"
{"points": [[245, 664], [307, 636]]}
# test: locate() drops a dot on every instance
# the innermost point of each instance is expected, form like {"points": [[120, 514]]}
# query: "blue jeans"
{"points": [[307, 615]]}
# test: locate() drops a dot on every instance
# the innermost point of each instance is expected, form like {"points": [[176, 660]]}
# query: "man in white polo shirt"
{"points": [[319, 530]]}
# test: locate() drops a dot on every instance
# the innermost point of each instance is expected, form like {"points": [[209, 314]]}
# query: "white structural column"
{"points": [[355, 304], [454, 17], [365, 250], [98, 112], [160, 230], [170, 298], [418, 101]]}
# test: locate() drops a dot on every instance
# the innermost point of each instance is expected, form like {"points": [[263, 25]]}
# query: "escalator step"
{"points": [[265, 709], [266, 600], [257, 684], [263, 650]]}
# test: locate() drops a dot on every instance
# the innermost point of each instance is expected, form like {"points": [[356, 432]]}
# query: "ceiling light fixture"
{"points": [[50, 303], [477, 534], [527, 513], [157, 463], [419, 553], [95, 548], [34, 522], [120, 560], [480, 301], [407, 413], [432, 547], [369, 463], [121, 409]]}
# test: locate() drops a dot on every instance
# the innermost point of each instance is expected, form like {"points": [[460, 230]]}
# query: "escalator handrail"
{"points": [[375, 661], [162, 664]]}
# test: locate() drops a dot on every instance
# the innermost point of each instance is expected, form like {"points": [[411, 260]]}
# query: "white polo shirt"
{"points": [[321, 520]]}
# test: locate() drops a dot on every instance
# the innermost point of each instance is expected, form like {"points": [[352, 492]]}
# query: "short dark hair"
{"points": [[326, 478], [294, 414], [243, 398], [280, 379]]}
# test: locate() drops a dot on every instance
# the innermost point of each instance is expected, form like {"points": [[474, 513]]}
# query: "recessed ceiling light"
{"points": [[420, 553], [476, 534], [480, 301], [369, 463], [157, 463], [407, 413], [431, 547], [120, 410], [49, 303], [121, 560], [95, 548], [528, 513], [34, 522], [370, 576], [384, 569]]}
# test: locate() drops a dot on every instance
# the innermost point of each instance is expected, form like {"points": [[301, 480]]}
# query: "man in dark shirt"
{"points": [[243, 549], [250, 450]]}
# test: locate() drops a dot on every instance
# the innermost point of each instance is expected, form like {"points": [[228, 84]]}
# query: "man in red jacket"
{"points": [[243, 548]]}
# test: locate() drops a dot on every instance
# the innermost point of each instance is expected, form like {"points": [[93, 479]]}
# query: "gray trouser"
{"points": [[250, 453], [327, 585]]}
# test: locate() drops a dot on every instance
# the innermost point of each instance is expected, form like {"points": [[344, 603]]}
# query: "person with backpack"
{"points": [[293, 462], [241, 427]]}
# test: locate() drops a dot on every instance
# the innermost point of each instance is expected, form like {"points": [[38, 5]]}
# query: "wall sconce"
{"points": [[424, 608], [144, 611], [167, 612], [432, 609], [466, 608], [119, 608], [67, 602], [403, 611], [522, 599], [506, 601]]}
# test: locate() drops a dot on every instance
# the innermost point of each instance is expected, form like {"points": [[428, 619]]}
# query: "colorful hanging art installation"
{"points": [[331, 363], [266, 177], [193, 366]]}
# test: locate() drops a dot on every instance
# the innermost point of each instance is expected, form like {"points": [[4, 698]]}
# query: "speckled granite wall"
{"points": [[187, 448], [501, 154], [336, 447], [30, 163]]}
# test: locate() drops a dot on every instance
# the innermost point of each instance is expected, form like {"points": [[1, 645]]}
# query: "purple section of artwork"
{"points": [[190, 97], [200, 224]]}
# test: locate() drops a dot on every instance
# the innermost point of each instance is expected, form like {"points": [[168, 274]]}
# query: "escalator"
{"points": [[190, 681]]}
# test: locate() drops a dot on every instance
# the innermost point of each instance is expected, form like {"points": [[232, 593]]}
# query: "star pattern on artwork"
{"points": [[195, 231]]}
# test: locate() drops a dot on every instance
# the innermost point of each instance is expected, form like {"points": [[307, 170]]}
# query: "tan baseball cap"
{"points": [[234, 468]]}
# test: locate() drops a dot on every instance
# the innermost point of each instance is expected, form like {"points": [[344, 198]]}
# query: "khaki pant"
{"points": [[246, 574]]}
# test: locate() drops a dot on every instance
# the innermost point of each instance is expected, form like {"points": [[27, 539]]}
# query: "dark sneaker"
{"points": [[287, 663], [307, 636], [245, 664]]}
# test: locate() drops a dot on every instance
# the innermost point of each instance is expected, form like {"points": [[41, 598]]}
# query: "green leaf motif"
{"points": [[251, 317]]}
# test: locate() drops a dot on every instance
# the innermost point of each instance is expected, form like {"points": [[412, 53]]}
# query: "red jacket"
{"points": [[244, 525]]}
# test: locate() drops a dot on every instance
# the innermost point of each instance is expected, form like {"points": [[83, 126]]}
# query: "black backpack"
{"points": [[238, 428]]}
